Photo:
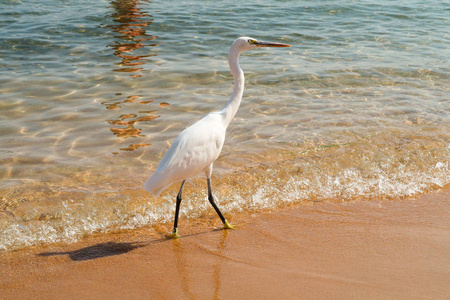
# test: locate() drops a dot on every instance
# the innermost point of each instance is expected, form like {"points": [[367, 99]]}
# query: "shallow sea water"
{"points": [[93, 93]]}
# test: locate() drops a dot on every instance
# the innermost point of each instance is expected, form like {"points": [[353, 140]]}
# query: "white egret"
{"points": [[198, 146]]}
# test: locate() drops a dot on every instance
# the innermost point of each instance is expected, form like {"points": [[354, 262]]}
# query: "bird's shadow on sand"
{"points": [[108, 249], [98, 251]]}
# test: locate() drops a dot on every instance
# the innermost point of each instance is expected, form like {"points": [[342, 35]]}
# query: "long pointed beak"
{"points": [[269, 44]]}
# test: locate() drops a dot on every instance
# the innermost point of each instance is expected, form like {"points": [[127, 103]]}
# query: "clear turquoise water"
{"points": [[93, 92]]}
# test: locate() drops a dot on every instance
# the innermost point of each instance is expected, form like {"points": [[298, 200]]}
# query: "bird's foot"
{"points": [[227, 225], [175, 234]]}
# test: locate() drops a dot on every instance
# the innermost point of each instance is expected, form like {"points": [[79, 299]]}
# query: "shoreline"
{"points": [[393, 249]]}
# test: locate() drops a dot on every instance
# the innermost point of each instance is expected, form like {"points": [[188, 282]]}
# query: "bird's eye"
{"points": [[251, 42]]}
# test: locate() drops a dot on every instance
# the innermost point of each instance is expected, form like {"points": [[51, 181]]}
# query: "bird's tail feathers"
{"points": [[156, 184]]}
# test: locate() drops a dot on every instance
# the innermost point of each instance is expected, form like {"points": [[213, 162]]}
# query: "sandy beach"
{"points": [[359, 250]]}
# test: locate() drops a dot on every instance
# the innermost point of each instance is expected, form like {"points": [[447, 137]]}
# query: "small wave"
{"points": [[107, 200]]}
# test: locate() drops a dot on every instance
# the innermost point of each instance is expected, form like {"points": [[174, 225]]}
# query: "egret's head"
{"points": [[247, 43]]}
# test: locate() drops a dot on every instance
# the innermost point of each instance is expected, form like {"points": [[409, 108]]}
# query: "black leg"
{"points": [[211, 200], [177, 212]]}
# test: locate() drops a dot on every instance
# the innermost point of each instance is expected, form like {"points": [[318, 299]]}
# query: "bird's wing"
{"points": [[196, 148]]}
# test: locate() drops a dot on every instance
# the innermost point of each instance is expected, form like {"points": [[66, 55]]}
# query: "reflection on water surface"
{"points": [[131, 45], [131, 25]]}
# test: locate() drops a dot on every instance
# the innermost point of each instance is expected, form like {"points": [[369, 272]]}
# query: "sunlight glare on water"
{"points": [[94, 92]]}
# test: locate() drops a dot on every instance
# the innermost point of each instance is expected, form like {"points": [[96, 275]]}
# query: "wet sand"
{"points": [[359, 250]]}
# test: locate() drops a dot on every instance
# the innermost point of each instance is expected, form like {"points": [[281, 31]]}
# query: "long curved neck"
{"points": [[230, 110]]}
